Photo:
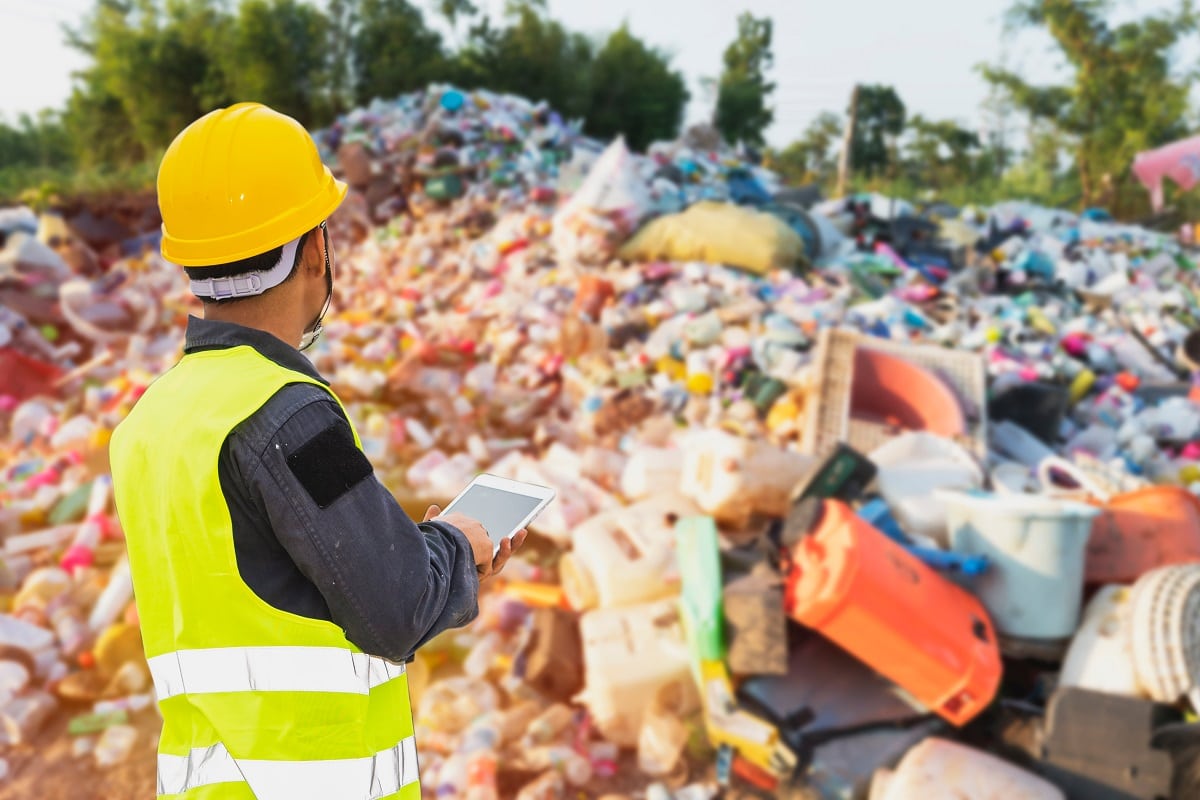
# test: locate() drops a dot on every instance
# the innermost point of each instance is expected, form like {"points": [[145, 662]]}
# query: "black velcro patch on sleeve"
{"points": [[329, 465]]}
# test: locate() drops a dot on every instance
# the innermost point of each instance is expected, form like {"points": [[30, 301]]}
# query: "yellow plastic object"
{"points": [[238, 182], [753, 739], [1082, 384], [719, 233]]}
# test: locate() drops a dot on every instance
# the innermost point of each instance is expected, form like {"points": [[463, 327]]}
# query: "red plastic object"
{"points": [[1140, 531], [753, 775], [591, 296], [860, 589], [889, 389], [26, 377]]}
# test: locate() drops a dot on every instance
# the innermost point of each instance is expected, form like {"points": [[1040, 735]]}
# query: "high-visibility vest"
{"points": [[256, 702]]}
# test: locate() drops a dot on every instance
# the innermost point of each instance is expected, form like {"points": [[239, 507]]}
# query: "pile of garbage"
{"points": [[851, 496]]}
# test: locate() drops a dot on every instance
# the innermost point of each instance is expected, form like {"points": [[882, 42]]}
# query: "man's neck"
{"points": [[253, 317]]}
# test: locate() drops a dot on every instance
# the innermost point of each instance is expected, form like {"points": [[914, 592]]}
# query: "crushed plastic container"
{"points": [[733, 478], [625, 556], [1100, 657], [856, 586], [1141, 530], [938, 769], [631, 654], [1036, 548]]}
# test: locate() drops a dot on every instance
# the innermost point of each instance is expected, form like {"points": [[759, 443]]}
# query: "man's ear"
{"points": [[313, 258]]}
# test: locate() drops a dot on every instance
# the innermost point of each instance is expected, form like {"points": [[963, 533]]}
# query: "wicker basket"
{"points": [[829, 421]]}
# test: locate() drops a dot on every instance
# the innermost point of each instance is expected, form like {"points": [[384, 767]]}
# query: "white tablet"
{"points": [[502, 506]]}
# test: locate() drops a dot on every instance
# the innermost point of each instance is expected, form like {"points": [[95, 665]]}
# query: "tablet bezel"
{"points": [[543, 494]]}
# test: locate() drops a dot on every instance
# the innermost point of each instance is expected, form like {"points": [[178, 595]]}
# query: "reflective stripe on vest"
{"points": [[269, 669], [385, 773]]}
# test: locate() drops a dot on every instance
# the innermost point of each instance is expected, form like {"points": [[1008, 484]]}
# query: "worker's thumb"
{"points": [[431, 512]]}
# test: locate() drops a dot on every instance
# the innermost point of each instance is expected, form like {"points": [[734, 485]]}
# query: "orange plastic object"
{"points": [[537, 595], [897, 392], [884, 606], [1140, 531], [26, 377]]}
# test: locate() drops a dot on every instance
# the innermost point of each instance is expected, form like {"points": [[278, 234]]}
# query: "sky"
{"points": [[926, 49]]}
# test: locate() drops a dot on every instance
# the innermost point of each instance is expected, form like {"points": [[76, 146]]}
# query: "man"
{"points": [[280, 586]]}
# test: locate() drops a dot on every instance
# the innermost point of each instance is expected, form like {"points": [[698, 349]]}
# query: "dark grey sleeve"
{"points": [[390, 584]]}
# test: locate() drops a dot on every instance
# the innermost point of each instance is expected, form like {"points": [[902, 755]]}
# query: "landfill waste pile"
{"points": [[854, 499]]}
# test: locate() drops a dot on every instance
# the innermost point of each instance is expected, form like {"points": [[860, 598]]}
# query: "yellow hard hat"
{"points": [[238, 182]]}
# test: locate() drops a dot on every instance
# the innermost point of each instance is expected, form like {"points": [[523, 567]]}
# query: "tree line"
{"points": [[1071, 143], [153, 66]]}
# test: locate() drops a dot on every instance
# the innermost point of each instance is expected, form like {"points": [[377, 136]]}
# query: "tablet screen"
{"points": [[499, 511]]}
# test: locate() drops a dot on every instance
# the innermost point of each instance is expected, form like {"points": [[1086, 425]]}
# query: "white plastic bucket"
{"points": [[938, 769], [1036, 546]]}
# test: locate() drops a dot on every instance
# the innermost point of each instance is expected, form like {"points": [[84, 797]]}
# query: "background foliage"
{"points": [[156, 65]]}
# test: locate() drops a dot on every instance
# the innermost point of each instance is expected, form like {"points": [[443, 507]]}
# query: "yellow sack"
{"points": [[719, 233]]}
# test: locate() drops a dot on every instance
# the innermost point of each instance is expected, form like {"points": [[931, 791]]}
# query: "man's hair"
{"points": [[258, 263]]}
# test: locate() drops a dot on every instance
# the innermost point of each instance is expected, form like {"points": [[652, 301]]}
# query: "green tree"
{"points": [[532, 55], [742, 112], [455, 10], [812, 157], [338, 84], [1121, 96], [277, 57], [881, 116], [39, 140], [634, 92], [154, 70], [939, 153], [393, 50]]}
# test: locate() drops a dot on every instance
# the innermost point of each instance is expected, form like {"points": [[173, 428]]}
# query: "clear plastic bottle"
{"points": [[549, 724], [549, 786], [115, 745], [482, 655]]}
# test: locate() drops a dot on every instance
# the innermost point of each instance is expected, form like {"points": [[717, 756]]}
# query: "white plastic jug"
{"points": [[938, 769], [733, 478], [1036, 547], [630, 655], [626, 556], [1100, 657], [650, 471], [912, 467]]}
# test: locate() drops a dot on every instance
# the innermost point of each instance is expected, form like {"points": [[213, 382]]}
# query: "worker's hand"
{"points": [[507, 548], [481, 544]]}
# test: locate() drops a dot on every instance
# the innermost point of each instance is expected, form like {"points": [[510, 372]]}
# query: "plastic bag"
{"points": [[609, 205]]}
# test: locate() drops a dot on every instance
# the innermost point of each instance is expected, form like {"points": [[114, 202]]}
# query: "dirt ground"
{"points": [[45, 769]]}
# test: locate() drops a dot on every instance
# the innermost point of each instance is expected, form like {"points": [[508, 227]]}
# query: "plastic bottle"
{"points": [[548, 786], [663, 734], [132, 704], [81, 552], [115, 745], [451, 781], [113, 599], [72, 632], [549, 724], [576, 768], [481, 656]]}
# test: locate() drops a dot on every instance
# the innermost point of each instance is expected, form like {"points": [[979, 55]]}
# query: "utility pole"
{"points": [[844, 163]]}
